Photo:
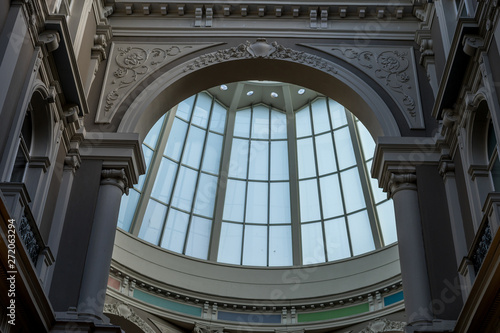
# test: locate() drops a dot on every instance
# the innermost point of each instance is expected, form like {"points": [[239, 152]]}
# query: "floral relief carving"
{"points": [[391, 67], [384, 325], [260, 49], [128, 313], [133, 64]]}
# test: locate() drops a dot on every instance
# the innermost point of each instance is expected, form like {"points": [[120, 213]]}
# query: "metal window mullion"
{"points": [[177, 172], [188, 229], [293, 181], [154, 166], [213, 250], [363, 176], [317, 180], [341, 187], [269, 188], [246, 185]]}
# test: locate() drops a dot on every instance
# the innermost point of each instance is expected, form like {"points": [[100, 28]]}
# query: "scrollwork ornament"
{"points": [[124, 311], [389, 66], [116, 177], [260, 49], [384, 325], [134, 63]]}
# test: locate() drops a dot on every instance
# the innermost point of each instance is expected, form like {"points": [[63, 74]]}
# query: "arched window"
{"points": [[244, 179]]}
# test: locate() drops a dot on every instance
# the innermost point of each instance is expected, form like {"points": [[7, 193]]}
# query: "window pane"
{"points": [[164, 182], [185, 107], [205, 195], [353, 193], [234, 203], [337, 114], [279, 160], [387, 221], [343, 144], [256, 211], [278, 125], [303, 122], [127, 209], [280, 246], [313, 250], [305, 156], [152, 222], [320, 116], [255, 246], [184, 189], [194, 147], [202, 110], [175, 231], [218, 120], [242, 123], [199, 238], [279, 203], [325, 153], [176, 139], [367, 143], [239, 159], [337, 242], [260, 123], [259, 160], [331, 197], [213, 149], [230, 243], [361, 233], [148, 155], [309, 200], [154, 133]]}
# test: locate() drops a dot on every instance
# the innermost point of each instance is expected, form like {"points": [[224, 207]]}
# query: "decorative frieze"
{"points": [[124, 311], [129, 65], [393, 68], [384, 325]]}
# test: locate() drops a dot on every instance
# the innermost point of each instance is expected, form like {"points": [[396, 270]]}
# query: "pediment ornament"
{"points": [[384, 325], [123, 310]]}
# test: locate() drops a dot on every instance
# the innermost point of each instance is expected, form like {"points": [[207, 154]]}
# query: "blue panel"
{"points": [[394, 298], [254, 318]]}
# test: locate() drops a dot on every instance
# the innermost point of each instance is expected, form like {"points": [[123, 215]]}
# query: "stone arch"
{"points": [[477, 128], [259, 61]]}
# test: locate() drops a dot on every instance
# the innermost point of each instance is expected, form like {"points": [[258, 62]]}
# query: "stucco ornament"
{"points": [[128, 313], [384, 325], [129, 65], [260, 49], [393, 68]]}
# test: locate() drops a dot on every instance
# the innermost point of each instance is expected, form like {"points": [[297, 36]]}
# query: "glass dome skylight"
{"points": [[259, 185]]}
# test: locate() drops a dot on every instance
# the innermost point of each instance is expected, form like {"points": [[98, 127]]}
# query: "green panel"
{"points": [[166, 304], [332, 314]]}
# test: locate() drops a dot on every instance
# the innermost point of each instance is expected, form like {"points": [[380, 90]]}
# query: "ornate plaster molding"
{"points": [[261, 49], [128, 313], [198, 328], [403, 181], [129, 64], [393, 68], [384, 325]]}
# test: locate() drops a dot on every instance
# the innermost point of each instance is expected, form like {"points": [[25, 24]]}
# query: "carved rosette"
{"points": [[123, 310], [393, 68], [115, 177], [129, 65]]}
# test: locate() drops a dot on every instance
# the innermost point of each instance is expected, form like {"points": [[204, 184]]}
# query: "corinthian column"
{"points": [[95, 277], [403, 190]]}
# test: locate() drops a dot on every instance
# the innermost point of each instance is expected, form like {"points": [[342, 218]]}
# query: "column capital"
{"points": [[446, 168], [402, 181], [115, 177]]}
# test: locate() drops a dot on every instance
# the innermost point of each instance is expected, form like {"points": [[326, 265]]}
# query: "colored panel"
{"points": [[254, 318], [166, 304], [113, 283], [394, 298], [332, 314]]}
